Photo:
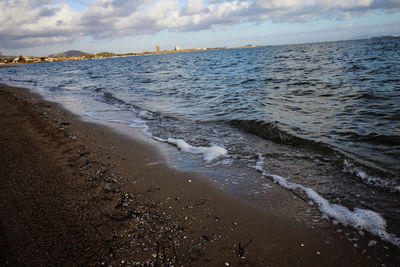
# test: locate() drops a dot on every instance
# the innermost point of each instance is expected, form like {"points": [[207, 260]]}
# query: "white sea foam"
{"points": [[370, 180], [141, 124], [259, 163], [144, 114], [361, 219], [209, 153]]}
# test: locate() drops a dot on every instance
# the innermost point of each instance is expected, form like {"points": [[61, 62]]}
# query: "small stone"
{"points": [[226, 263]]}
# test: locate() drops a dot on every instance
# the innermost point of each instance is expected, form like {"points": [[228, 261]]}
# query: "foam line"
{"points": [[209, 153], [359, 218]]}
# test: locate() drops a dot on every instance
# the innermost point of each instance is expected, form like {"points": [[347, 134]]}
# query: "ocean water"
{"points": [[321, 118]]}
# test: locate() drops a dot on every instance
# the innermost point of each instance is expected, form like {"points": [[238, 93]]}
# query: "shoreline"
{"points": [[99, 193], [135, 54]]}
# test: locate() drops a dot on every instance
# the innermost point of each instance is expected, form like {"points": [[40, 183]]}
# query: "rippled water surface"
{"points": [[324, 115], [343, 94]]}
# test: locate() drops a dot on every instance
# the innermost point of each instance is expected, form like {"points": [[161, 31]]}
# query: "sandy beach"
{"points": [[73, 193]]}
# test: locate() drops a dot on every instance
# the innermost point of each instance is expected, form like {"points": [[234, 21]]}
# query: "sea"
{"points": [[321, 119]]}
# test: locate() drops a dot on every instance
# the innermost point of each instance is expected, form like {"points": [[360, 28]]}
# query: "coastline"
{"points": [[36, 60], [77, 193]]}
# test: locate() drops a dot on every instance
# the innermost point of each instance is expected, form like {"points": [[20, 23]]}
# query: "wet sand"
{"points": [[76, 193]]}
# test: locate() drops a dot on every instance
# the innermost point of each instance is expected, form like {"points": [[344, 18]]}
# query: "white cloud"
{"points": [[26, 23], [193, 7], [29, 23], [278, 4], [302, 10]]}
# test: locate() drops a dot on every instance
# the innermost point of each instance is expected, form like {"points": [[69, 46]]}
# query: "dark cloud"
{"points": [[47, 12]]}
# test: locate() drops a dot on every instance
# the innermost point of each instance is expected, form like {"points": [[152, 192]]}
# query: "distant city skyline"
{"points": [[43, 27]]}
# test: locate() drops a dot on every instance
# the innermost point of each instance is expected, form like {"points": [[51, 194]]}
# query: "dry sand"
{"points": [[75, 193]]}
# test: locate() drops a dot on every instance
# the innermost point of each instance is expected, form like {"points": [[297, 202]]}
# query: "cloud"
{"points": [[25, 23], [28, 23], [193, 7], [294, 11]]}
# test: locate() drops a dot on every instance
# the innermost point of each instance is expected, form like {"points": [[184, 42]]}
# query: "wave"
{"points": [[371, 138], [250, 80], [371, 96], [109, 98], [271, 132], [377, 182], [385, 179], [392, 140]]}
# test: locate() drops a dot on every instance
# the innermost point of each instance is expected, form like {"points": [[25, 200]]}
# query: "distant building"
{"points": [[158, 49], [177, 48]]}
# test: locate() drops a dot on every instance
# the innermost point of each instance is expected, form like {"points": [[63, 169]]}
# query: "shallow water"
{"points": [[324, 116]]}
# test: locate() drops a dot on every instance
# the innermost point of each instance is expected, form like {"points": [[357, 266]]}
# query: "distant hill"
{"points": [[69, 53]]}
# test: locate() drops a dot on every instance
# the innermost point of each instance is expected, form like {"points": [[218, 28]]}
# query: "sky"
{"points": [[43, 27]]}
